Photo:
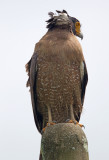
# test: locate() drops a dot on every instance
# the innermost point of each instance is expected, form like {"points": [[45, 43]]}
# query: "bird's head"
{"points": [[62, 19]]}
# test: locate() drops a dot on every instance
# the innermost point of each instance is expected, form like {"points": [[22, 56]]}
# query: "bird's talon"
{"points": [[81, 125], [43, 130], [70, 121], [75, 122], [48, 124]]}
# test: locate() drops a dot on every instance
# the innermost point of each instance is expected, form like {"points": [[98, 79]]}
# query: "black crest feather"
{"points": [[53, 18], [51, 14]]}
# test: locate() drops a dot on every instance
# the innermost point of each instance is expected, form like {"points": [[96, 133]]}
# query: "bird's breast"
{"points": [[56, 81]]}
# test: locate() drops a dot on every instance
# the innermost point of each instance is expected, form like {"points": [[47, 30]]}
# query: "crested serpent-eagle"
{"points": [[57, 72]]}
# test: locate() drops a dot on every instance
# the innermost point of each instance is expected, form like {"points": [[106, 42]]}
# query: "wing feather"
{"points": [[31, 68], [84, 80]]}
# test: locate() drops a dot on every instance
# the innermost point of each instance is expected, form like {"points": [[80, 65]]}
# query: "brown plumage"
{"points": [[57, 72]]}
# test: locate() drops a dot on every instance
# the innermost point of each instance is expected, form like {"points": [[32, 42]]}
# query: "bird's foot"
{"points": [[75, 122], [81, 125], [48, 124], [51, 123]]}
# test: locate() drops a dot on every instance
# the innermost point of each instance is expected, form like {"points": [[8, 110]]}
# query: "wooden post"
{"points": [[64, 141]]}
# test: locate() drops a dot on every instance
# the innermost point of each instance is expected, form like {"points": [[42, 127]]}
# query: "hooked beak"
{"points": [[79, 35]]}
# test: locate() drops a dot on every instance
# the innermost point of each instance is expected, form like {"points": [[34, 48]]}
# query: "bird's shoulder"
{"points": [[63, 44]]}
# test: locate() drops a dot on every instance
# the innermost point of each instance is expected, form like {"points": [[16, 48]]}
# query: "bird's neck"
{"points": [[61, 28]]}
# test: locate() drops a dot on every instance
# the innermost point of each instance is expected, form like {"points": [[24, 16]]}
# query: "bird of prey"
{"points": [[57, 72]]}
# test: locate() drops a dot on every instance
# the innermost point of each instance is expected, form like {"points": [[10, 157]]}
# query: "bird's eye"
{"points": [[77, 24]]}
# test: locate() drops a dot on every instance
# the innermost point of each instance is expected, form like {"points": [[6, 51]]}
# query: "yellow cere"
{"points": [[77, 27]]}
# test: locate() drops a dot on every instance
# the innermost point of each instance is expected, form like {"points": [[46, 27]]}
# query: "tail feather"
{"points": [[40, 157]]}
